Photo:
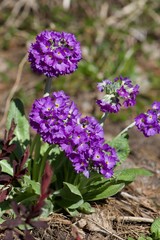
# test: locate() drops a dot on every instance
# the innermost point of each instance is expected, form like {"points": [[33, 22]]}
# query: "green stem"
{"points": [[126, 129], [47, 86], [36, 159], [30, 165], [43, 163], [33, 144], [104, 116]]}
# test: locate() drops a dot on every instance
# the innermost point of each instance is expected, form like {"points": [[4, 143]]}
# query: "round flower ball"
{"points": [[54, 53]]}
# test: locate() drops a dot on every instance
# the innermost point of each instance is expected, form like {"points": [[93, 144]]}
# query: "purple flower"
{"points": [[53, 116], [101, 86], [110, 105], [128, 92], [54, 53], [88, 149], [58, 121], [156, 105], [149, 122], [120, 92]]}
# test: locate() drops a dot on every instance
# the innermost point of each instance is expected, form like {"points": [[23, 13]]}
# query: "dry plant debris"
{"points": [[127, 214]]}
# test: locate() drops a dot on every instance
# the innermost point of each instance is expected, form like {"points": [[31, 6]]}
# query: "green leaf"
{"points": [[108, 190], [71, 197], [93, 182], [155, 229], [35, 185], [122, 147], [69, 191], [86, 208], [47, 208], [28, 197], [129, 175], [5, 205], [72, 212], [1, 220], [70, 204], [16, 111], [6, 167]]}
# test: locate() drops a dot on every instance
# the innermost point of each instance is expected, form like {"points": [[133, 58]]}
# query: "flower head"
{"points": [[119, 93], [54, 53], [149, 122], [58, 121], [53, 116], [101, 86]]}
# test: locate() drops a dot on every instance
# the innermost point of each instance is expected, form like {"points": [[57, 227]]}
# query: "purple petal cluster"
{"points": [[53, 116], [58, 121], [54, 53], [149, 122], [120, 92], [111, 105]]}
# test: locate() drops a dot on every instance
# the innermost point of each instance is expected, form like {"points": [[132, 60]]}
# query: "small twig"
{"points": [[105, 230], [125, 130], [66, 4], [136, 199], [132, 219], [127, 195], [18, 15], [14, 89]]}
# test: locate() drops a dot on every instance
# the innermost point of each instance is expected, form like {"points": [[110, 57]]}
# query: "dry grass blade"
{"points": [[14, 89], [105, 230]]}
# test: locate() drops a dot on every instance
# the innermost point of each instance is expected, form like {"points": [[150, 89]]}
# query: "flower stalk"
{"points": [[48, 85], [125, 130]]}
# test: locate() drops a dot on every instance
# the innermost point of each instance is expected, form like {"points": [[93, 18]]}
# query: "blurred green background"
{"points": [[118, 37]]}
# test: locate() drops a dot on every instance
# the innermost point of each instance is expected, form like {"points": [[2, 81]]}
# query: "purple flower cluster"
{"points": [[149, 122], [120, 92], [54, 53], [58, 121]]}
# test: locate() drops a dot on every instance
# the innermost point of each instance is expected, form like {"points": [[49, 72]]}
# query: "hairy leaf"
{"points": [[155, 228], [129, 175], [34, 185], [86, 208], [71, 196], [46, 180], [122, 147], [22, 126], [108, 190], [69, 191], [6, 167]]}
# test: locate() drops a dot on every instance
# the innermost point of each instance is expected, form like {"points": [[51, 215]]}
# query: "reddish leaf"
{"points": [[4, 194], [5, 178], [18, 208], [8, 148], [39, 224], [8, 235], [28, 236], [18, 170], [11, 131], [11, 223], [46, 179], [15, 167], [24, 158]]}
